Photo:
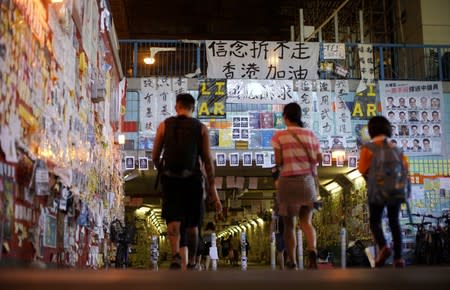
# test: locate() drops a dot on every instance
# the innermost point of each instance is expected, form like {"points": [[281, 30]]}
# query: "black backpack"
{"points": [[182, 146], [387, 179]]}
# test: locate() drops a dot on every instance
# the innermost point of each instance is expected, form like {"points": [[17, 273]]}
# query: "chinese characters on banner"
{"points": [[325, 107], [262, 59], [333, 51], [305, 100], [147, 105], [365, 53], [414, 110], [211, 99], [260, 91], [343, 115], [157, 101]]}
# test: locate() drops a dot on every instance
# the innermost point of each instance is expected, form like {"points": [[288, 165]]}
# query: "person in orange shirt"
{"points": [[379, 130]]}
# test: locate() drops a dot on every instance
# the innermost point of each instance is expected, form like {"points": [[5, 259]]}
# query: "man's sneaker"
{"points": [[382, 256], [176, 262], [399, 263]]}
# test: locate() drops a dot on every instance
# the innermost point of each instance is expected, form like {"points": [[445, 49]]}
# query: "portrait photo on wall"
{"points": [[259, 159], [236, 122], [234, 159], [244, 122], [129, 163], [326, 159], [272, 158], [143, 163], [220, 159], [247, 159], [352, 161], [340, 160]]}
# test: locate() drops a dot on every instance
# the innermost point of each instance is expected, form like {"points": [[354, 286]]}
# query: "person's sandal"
{"points": [[399, 263], [176, 262], [312, 260], [382, 256], [290, 266]]}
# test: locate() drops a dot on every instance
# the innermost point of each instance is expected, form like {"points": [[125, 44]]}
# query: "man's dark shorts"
{"points": [[182, 200]]}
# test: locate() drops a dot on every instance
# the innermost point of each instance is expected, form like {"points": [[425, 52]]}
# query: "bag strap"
{"points": [[306, 150]]}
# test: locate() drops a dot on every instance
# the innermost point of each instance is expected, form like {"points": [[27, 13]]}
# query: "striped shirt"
{"points": [[295, 159]]}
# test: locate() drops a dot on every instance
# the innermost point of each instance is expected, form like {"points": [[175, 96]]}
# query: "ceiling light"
{"points": [[149, 60]]}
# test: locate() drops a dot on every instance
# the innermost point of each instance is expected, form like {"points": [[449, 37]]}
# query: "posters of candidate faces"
{"points": [[414, 110]]}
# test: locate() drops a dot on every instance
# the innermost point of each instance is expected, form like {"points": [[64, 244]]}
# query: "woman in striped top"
{"points": [[297, 152]]}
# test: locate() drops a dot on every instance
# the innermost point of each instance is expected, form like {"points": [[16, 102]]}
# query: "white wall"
{"points": [[436, 21]]}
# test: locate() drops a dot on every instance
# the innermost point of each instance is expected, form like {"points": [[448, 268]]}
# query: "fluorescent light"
{"points": [[353, 175], [143, 209], [121, 139], [332, 186]]}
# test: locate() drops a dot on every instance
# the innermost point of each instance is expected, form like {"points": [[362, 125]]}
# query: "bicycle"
{"points": [[432, 242]]}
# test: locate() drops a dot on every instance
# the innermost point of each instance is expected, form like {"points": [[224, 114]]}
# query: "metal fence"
{"points": [[188, 58]]}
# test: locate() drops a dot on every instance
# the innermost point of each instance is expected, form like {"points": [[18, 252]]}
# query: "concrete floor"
{"points": [[412, 278]]}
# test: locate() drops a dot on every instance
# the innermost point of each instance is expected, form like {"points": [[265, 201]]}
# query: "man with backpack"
{"points": [[386, 172], [184, 144]]}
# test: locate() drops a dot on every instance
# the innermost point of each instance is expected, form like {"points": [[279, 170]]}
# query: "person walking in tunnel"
{"points": [[297, 152], [384, 190], [184, 143]]}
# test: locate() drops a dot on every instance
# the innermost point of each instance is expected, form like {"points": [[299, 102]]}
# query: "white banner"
{"points": [[305, 100], [147, 105], [262, 59], [343, 114], [260, 91], [415, 111], [365, 53], [325, 107], [334, 51], [157, 100]]}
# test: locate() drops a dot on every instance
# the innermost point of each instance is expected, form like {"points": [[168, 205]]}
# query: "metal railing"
{"points": [[392, 61]]}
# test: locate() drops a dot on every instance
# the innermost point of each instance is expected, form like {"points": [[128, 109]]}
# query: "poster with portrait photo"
{"points": [[247, 159], [236, 134], [326, 159], [272, 159], [129, 163], [236, 122], [244, 122], [244, 134], [352, 161], [259, 157], [220, 159], [416, 102], [234, 159], [143, 163]]}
